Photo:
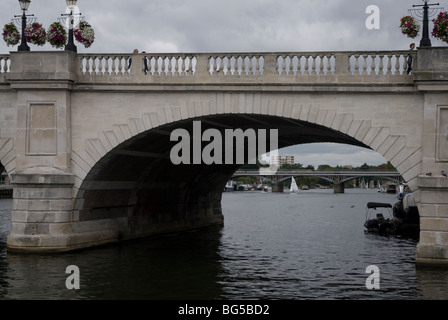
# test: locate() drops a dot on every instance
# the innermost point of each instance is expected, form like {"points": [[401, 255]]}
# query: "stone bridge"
{"points": [[86, 141]]}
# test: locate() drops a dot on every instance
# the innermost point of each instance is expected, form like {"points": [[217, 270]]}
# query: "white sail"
{"points": [[294, 186]]}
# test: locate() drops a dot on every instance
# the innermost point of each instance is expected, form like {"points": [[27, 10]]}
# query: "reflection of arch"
{"points": [[126, 174]]}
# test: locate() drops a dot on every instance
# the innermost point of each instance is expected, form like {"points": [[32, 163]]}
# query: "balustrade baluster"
{"points": [[169, 66], [157, 63], [282, 66], [176, 66], [364, 64], [117, 64], [250, 65], [121, 65], [2, 65], [91, 66], [300, 65], [237, 65], [113, 70], [328, 65], [222, 65], [315, 70], [225, 65], [98, 65], [381, 66], [81, 65], [243, 65], [106, 64], [257, 65], [162, 65], [181, 63], [189, 67], [389, 65], [5, 65], [230, 66], [307, 65], [373, 66], [397, 65], [215, 67]]}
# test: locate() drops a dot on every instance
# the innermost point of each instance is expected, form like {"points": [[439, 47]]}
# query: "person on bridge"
{"points": [[130, 59], [409, 59], [145, 63]]}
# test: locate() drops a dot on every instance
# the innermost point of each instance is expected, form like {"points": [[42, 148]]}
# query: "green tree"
{"points": [[324, 167], [291, 167]]}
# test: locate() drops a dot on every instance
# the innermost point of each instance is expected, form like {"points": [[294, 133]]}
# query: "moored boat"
{"points": [[379, 218], [401, 219]]}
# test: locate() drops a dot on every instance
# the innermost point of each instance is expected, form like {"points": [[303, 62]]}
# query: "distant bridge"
{"points": [[338, 178]]}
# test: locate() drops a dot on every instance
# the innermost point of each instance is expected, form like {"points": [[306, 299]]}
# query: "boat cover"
{"points": [[372, 205]]}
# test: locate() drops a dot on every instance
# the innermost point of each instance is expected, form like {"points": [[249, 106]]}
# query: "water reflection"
{"points": [[165, 268], [312, 246], [432, 283]]}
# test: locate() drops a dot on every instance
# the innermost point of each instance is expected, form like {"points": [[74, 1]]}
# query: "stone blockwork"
{"points": [[433, 246], [431, 78]]}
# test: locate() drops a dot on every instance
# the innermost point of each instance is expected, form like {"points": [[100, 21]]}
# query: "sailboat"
{"points": [[294, 187]]}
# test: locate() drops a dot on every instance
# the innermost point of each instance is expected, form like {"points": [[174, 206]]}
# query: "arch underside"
{"points": [[138, 186]]}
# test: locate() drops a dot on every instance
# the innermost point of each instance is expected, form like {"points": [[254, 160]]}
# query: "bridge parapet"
{"points": [[379, 68], [301, 67]]}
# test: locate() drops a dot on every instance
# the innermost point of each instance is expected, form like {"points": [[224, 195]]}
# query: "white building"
{"points": [[281, 159]]}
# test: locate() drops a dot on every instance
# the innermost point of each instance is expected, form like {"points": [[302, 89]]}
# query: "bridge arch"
{"points": [[125, 179]]}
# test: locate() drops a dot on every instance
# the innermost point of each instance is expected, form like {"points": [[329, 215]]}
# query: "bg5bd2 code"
{"points": [[242, 309]]}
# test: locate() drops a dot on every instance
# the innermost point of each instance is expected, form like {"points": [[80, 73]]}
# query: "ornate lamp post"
{"points": [[425, 41], [71, 45], [24, 4]]}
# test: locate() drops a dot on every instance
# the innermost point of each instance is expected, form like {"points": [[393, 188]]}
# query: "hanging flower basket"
{"points": [[35, 34], [409, 26], [440, 30], [84, 33], [56, 35], [10, 34]]}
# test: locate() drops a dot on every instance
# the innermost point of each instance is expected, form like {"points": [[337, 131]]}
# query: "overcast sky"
{"points": [[236, 26]]}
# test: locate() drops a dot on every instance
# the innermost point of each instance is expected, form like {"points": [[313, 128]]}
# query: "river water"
{"points": [[308, 245]]}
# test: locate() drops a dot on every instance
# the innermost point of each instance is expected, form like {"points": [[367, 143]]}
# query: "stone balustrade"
{"points": [[286, 67], [247, 66]]}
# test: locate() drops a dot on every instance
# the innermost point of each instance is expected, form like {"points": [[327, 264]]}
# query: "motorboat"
{"points": [[401, 219], [379, 218]]}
